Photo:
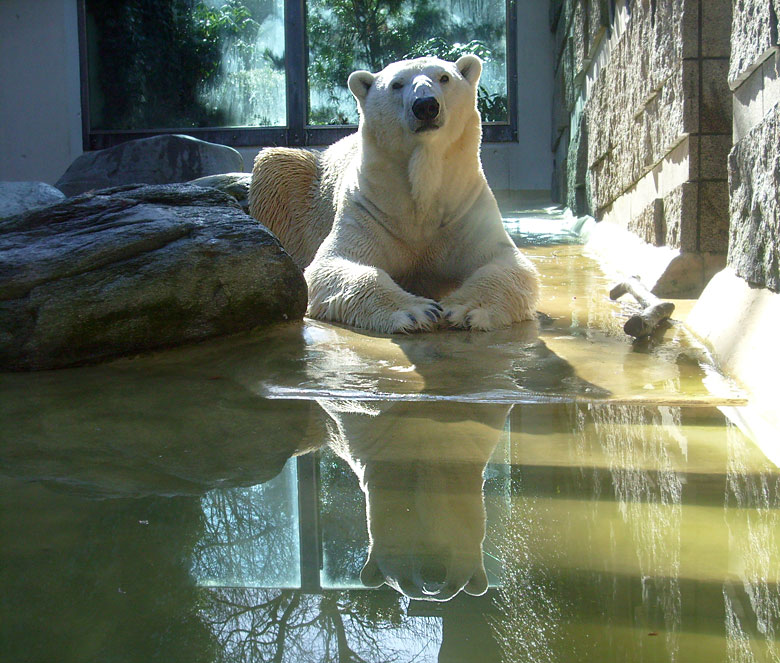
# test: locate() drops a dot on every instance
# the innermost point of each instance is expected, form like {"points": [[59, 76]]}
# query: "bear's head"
{"points": [[426, 99]]}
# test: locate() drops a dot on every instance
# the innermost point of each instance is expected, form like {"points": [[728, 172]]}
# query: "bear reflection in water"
{"points": [[420, 465], [420, 462]]}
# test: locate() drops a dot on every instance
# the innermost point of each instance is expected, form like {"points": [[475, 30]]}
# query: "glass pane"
{"points": [[250, 535], [369, 34], [343, 524], [181, 63], [441, 469]]}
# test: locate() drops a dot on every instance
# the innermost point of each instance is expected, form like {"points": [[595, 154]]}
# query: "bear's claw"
{"points": [[424, 316], [462, 317]]}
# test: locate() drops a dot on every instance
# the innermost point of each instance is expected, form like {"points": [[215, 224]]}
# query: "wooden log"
{"points": [[654, 312]]}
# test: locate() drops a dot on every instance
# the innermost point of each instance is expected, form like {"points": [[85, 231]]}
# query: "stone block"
{"points": [[649, 225], [598, 22], [715, 28], [771, 75], [691, 94], [579, 40], [747, 105], [713, 216], [753, 36], [714, 156], [577, 170], [18, 197], [669, 115], [236, 185], [754, 173], [715, 113], [689, 29], [568, 71], [680, 214], [135, 268], [646, 98], [756, 96], [165, 159], [560, 169]]}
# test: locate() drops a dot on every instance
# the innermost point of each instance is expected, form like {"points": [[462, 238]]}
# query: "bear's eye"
{"points": [[444, 79], [397, 85]]}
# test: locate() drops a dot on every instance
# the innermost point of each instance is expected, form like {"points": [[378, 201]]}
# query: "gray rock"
{"points": [[18, 197], [135, 268], [236, 185], [754, 242], [157, 160]]}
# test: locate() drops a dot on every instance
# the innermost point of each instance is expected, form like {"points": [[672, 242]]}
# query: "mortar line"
{"points": [[699, 128]]}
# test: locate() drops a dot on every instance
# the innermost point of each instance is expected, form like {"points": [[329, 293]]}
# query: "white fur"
{"points": [[416, 238]]}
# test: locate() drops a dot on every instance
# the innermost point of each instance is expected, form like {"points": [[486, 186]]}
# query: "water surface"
{"points": [[551, 492]]}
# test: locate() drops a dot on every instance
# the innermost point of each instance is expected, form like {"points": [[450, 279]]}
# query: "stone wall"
{"points": [[754, 162], [642, 117]]}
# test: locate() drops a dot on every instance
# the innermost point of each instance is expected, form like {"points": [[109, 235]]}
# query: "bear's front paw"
{"points": [[424, 315], [463, 316]]}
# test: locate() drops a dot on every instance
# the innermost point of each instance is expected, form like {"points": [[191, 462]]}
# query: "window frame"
{"points": [[296, 133]]}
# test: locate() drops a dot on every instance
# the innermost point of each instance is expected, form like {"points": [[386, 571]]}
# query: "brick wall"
{"points": [[642, 116]]}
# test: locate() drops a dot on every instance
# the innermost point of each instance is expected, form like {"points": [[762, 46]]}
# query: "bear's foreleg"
{"points": [[363, 296], [496, 295]]}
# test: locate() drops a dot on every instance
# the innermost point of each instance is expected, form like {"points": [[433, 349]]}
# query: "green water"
{"points": [[210, 503]]}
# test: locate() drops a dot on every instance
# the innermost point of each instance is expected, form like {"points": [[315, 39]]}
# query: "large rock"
{"points": [[236, 185], [18, 197], [157, 160], [135, 268]]}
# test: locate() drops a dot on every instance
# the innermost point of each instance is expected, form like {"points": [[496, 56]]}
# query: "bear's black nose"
{"points": [[425, 108]]}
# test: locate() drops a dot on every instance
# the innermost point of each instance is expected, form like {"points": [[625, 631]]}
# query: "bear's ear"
{"points": [[371, 575], [360, 83], [470, 67]]}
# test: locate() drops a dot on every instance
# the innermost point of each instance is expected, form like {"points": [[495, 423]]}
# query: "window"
{"points": [[272, 72]]}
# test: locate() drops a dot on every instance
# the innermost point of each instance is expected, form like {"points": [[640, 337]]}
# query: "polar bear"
{"points": [[395, 225]]}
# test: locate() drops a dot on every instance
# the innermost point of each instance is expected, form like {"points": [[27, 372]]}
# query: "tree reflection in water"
{"points": [[340, 626]]}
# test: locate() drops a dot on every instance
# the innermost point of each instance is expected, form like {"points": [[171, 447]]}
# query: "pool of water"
{"points": [[551, 493]]}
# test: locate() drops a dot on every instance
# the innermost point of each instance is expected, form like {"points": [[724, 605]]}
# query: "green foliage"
{"points": [[439, 48], [213, 26], [493, 107], [162, 64], [150, 59], [345, 35]]}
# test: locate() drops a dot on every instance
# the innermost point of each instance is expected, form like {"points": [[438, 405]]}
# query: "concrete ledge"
{"points": [[739, 324], [756, 95], [667, 272]]}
